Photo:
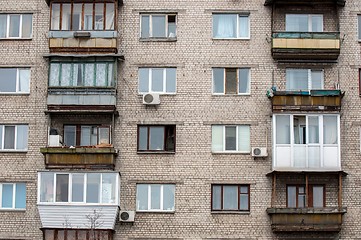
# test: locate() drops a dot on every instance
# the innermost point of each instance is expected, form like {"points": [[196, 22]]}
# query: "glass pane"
{"points": [[243, 80], [224, 25], [291, 196], [299, 128], [65, 79], [155, 196], [313, 129], [55, 16], [296, 79], [99, 16], [330, 130], [78, 75], [157, 79], [142, 197], [170, 80], [172, 26], [76, 21], [27, 22], [93, 188], [317, 79], [62, 187], [14, 27], [297, 22], [9, 137], [244, 136], [244, 199], [88, 16], [22, 137], [7, 196], [156, 138], [283, 130], [230, 197], [145, 26], [231, 81], [54, 74], [101, 75], [24, 80], [318, 196], [108, 188], [243, 26], [218, 80], [170, 138], [317, 23], [143, 80], [89, 74], [1, 136], [143, 138], [158, 26], [168, 197], [104, 135], [46, 187], [216, 198], [20, 195], [77, 187], [8, 79], [109, 20], [69, 135], [85, 135], [3, 24], [66, 18], [231, 138], [359, 26], [111, 79], [217, 138]]}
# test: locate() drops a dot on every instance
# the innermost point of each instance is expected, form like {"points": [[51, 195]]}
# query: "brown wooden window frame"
{"points": [[240, 193], [309, 193], [78, 133], [169, 137]]}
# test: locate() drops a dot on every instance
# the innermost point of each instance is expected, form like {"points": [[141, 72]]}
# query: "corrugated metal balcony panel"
{"points": [[81, 99], [70, 216]]}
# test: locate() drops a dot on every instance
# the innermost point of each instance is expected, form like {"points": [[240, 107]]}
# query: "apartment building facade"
{"points": [[230, 119]]}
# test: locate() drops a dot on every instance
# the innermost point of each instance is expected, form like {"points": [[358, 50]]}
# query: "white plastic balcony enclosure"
{"points": [[306, 142]]}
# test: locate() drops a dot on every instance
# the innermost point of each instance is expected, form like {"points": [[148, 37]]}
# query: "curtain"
{"points": [[109, 18], [54, 74], [330, 130], [313, 129], [101, 75], [244, 137], [283, 129], [65, 74], [297, 22], [24, 80], [170, 80], [217, 138], [243, 26], [22, 137], [46, 187], [224, 25], [243, 76], [110, 81], [89, 74], [3, 23], [55, 16]]}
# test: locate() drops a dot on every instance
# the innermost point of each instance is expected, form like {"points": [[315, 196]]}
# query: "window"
{"points": [[14, 80], [230, 197], [157, 80], [16, 25], [158, 25], [231, 81], [231, 138], [82, 74], [304, 79], [13, 137], [155, 197], [12, 195], [82, 16], [78, 188], [231, 26], [304, 23], [156, 138], [86, 135], [359, 27], [296, 196]]}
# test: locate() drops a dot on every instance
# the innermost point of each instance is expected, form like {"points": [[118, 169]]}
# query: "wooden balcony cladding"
{"points": [[306, 219], [340, 3], [80, 157], [306, 45], [313, 100]]}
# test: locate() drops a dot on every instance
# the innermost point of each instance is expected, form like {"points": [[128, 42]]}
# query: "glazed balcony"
{"points": [[80, 157], [327, 219], [306, 45]]}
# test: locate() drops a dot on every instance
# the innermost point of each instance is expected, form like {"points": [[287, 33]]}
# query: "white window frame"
{"points": [[238, 82], [150, 81], [17, 91], [20, 27], [2, 137], [70, 185], [150, 33], [237, 139], [149, 209], [309, 21], [237, 27], [13, 207], [309, 78]]}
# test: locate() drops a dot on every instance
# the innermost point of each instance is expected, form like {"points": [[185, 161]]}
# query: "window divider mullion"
{"points": [[71, 16], [104, 16], [54, 188], [85, 180], [15, 137], [70, 188], [14, 195], [20, 25], [8, 26]]}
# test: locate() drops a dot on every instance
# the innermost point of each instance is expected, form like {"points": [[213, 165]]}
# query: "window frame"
{"points": [[165, 144], [78, 133], [161, 197], [359, 27], [238, 81], [237, 26], [150, 26], [14, 196], [2, 138], [17, 79], [309, 21], [309, 193], [237, 139], [222, 198], [150, 80], [310, 81], [7, 33]]}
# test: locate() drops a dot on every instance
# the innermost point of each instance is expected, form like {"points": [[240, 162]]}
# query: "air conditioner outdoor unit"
{"points": [[126, 216], [55, 141], [151, 99], [259, 152]]}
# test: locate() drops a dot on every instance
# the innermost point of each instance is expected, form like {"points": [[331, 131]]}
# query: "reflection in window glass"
{"points": [[62, 187], [78, 187], [93, 188]]}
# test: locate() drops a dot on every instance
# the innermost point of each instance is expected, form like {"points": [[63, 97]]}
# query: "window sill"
{"points": [[16, 39], [230, 95], [231, 212], [160, 93], [12, 210], [15, 93], [154, 211], [158, 39], [231, 153], [231, 39], [155, 152], [13, 151]]}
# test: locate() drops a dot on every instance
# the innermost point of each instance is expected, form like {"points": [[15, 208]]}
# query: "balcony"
{"points": [[306, 45], [298, 2], [79, 157], [306, 219], [313, 100]]}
